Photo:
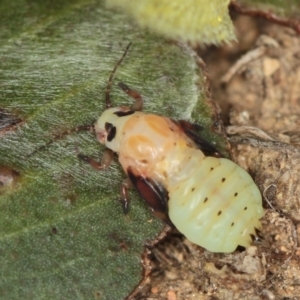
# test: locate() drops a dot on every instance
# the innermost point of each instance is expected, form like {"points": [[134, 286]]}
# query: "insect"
{"points": [[184, 179]]}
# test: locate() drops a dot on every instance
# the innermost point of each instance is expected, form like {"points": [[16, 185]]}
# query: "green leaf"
{"points": [[63, 234]]}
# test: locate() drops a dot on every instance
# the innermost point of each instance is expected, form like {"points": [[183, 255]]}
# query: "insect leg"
{"points": [[138, 104], [106, 160], [126, 184]]}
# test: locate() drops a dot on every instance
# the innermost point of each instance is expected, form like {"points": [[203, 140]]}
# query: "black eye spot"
{"points": [[223, 179], [124, 113], [108, 126], [235, 194], [232, 224], [193, 189], [219, 212], [211, 169], [111, 130], [245, 208], [205, 200], [112, 133]]}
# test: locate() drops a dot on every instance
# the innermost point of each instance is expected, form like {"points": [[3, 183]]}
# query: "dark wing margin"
{"points": [[124, 113], [154, 194], [191, 129]]}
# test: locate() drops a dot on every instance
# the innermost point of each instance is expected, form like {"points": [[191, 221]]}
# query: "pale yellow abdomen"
{"points": [[217, 205]]}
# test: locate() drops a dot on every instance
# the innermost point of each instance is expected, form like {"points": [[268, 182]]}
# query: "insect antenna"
{"points": [[108, 87], [61, 136], [85, 127]]}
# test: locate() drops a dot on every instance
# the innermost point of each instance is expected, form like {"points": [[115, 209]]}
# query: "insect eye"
{"points": [[111, 131], [108, 126]]}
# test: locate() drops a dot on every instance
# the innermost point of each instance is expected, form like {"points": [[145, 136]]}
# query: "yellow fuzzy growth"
{"points": [[194, 21]]}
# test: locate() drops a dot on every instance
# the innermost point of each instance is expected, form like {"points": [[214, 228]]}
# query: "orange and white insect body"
{"points": [[182, 177], [211, 200]]}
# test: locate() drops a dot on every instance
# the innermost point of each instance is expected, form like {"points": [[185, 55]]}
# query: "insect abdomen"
{"points": [[217, 205]]}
